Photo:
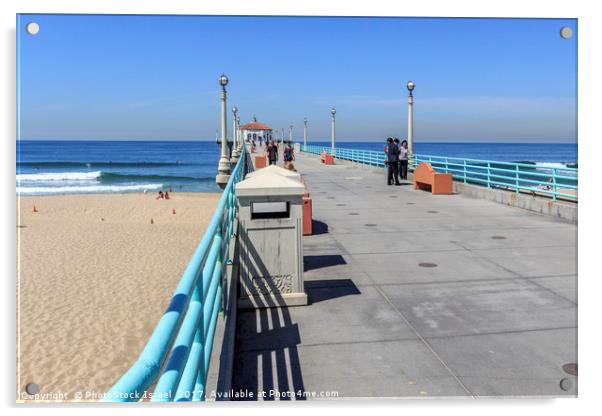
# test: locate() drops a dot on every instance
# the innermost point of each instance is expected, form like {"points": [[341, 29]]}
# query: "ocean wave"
{"points": [[103, 177], [549, 165], [112, 177], [58, 176], [101, 164], [91, 189]]}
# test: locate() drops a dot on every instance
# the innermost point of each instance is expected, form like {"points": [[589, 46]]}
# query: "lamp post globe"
{"points": [[223, 80], [333, 111], [411, 86]]}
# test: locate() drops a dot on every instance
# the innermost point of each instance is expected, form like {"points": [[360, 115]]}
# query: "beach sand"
{"points": [[94, 278]]}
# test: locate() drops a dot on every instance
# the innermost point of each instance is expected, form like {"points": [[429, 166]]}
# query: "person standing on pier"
{"points": [[392, 152], [272, 151], [403, 160]]}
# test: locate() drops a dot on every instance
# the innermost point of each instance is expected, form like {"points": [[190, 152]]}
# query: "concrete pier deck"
{"points": [[415, 295]]}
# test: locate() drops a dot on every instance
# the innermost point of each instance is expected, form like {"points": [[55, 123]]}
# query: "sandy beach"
{"points": [[94, 278]]}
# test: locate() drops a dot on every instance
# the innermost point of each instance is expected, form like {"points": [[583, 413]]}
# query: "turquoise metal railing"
{"points": [[552, 181], [178, 352]]}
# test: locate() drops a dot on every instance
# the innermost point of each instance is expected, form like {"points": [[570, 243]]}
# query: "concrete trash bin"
{"points": [[270, 240]]}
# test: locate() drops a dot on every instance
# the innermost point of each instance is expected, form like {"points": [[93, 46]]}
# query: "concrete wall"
{"points": [[561, 209]]}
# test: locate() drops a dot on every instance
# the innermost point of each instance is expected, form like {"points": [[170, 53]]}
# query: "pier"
{"points": [[417, 295]]}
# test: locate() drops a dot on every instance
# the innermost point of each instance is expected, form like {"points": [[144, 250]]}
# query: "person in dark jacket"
{"points": [[392, 160], [272, 151]]}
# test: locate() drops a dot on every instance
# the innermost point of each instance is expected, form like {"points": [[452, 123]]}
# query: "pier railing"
{"points": [[551, 181], [178, 352]]}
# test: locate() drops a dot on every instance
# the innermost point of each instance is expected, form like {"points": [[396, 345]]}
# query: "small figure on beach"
{"points": [[160, 196], [403, 159], [166, 195], [392, 161]]}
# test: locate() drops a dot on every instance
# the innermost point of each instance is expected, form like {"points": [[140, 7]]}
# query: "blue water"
{"points": [[76, 167]]}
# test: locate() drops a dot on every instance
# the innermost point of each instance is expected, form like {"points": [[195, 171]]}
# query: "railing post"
{"points": [[517, 174], [488, 174], [446, 165], [464, 170]]}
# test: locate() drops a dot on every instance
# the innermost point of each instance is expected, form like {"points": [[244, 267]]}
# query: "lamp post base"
{"points": [[222, 180]]}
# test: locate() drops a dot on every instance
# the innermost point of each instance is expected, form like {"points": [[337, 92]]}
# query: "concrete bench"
{"points": [[425, 177]]}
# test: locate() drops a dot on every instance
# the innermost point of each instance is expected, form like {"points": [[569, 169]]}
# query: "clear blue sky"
{"points": [[155, 77]]}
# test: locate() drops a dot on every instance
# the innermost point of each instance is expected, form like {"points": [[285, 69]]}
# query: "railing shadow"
{"points": [[266, 334]]}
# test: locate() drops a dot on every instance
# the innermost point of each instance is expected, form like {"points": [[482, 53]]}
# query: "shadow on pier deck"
{"points": [[415, 295]]}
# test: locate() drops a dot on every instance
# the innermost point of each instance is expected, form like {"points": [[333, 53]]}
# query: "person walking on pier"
{"points": [[403, 160], [392, 152], [272, 151]]}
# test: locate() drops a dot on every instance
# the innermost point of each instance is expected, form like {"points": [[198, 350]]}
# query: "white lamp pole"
{"points": [[235, 152], [223, 168], [239, 133], [411, 87], [333, 111], [304, 133], [290, 133]]}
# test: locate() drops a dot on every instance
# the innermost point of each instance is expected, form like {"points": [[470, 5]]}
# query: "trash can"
{"points": [[270, 251]]}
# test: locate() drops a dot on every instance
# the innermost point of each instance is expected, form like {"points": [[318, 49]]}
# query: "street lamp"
{"points": [[240, 138], [411, 87], [223, 167], [235, 151], [304, 133], [290, 133], [333, 111]]}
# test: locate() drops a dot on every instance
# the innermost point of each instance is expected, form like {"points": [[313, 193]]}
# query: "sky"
{"points": [[92, 77]]}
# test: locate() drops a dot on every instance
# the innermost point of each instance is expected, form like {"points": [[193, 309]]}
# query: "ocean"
{"points": [[82, 167]]}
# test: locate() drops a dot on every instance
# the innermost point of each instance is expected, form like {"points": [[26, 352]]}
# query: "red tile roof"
{"points": [[255, 125]]}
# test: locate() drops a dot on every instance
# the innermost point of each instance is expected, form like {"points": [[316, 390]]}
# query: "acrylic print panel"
{"points": [[135, 134]]}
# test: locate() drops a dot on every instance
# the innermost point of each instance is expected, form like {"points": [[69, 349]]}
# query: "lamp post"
{"points": [[290, 133], [411, 87], [239, 134], [282, 135], [235, 151], [333, 111], [223, 168], [304, 133]]}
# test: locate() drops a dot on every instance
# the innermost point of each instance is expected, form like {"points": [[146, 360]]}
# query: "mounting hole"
{"points": [[566, 32], [498, 237], [370, 225], [32, 28], [341, 205], [32, 389], [427, 264], [353, 213], [566, 384], [433, 212], [410, 203]]}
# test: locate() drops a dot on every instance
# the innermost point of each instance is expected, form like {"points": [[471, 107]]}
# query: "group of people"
{"points": [[397, 156], [288, 153]]}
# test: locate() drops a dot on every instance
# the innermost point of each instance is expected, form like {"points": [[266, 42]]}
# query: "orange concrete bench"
{"points": [[329, 160], [260, 161], [439, 183]]}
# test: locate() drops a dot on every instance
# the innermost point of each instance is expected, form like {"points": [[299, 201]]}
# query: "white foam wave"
{"points": [[92, 189], [58, 176], [550, 165]]}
